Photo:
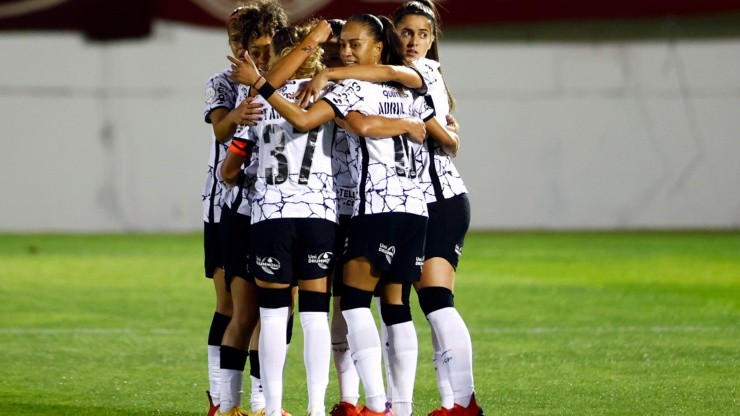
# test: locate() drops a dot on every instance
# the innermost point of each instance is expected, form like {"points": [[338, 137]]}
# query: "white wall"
{"points": [[110, 137]]}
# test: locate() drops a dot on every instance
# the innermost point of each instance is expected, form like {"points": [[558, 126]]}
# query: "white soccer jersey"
{"points": [[242, 194], [439, 180], [294, 177], [221, 92], [384, 169], [344, 183]]}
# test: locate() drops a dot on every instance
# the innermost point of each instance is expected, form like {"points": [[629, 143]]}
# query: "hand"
{"points": [[310, 91], [321, 32], [417, 130], [248, 113], [452, 124], [244, 72]]}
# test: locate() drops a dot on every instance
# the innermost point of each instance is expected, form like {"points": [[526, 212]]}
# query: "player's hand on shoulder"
{"points": [[248, 112], [311, 90]]}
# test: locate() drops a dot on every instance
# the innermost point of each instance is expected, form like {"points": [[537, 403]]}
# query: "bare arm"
{"points": [[447, 138], [303, 120], [225, 122], [372, 73], [283, 69], [231, 167], [383, 127]]}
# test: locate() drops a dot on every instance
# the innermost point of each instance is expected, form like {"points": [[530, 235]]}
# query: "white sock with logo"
{"points": [[457, 351], [446, 394], [364, 342]]}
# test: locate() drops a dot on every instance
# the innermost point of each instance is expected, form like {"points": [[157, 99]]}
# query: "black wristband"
{"points": [[266, 90]]}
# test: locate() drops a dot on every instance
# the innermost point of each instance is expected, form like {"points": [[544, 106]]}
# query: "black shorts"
{"points": [[212, 247], [288, 249], [448, 223], [235, 228], [340, 244], [393, 242]]}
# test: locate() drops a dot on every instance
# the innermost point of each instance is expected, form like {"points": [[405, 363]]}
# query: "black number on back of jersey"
{"points": [[275, 133], [403, 153]]}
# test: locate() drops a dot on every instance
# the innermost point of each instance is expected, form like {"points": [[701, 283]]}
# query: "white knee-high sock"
{"points": [[316, 356], [403, 353], [272, 351], [349, 381], [457, 354], [364, 342], [390, 387], [443, 379], [231, 389]]}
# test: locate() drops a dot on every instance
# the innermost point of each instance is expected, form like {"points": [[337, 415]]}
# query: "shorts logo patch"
{"points": [[322, 260], [458, 249], [389, 251], [268, 264], [419, 261]]}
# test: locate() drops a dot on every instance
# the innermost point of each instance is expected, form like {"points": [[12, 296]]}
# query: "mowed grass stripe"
{"points": [[600, 323]]}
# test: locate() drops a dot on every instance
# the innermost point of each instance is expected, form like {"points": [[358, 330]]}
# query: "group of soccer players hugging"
{"points": [[331, 176]]}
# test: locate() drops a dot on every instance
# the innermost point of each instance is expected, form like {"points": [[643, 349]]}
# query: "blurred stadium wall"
{"points": [[611, 125]]}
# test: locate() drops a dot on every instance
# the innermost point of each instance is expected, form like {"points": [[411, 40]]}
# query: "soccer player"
{"points": [[259, 21], [417, 22], [224, 116]]}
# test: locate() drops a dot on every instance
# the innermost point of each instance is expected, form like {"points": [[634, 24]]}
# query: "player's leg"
{"points": [[448, 223], [213, 262], [402, 345], [234, 344], [347, 377], [313, 260], [360, 279]]}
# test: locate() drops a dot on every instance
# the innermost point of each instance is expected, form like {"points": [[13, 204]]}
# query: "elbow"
{"points": [[302, 127]]}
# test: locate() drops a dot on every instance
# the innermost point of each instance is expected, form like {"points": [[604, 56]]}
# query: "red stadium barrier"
{"points": [[102, 20]]}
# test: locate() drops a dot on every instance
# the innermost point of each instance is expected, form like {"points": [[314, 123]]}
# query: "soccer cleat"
{"points": [[234, 411], [262, 412], [472, 410], [364, 411], [212, 408], [344, 409], [442, 411]]}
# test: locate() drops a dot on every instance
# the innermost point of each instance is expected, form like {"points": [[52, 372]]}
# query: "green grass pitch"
{"points": [[590, 323]]}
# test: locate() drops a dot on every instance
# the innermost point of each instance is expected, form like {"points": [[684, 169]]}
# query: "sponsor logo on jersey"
{"points": [[268, 264], [322, 260], [389, 251], [386, 107], [210, 95], [458, 249], [419, 261]]}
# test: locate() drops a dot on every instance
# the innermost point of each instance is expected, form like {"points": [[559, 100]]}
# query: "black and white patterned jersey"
{"points": [[385, 168], [439, 180], [344, 183], [221, 92], [241, 195], [294, 177]]}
